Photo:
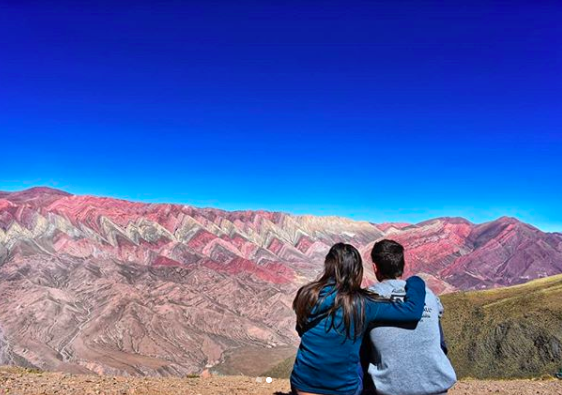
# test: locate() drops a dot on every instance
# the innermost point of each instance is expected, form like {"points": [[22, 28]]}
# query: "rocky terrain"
{"points": [[20, 382], [107, 286], [4, 350]]}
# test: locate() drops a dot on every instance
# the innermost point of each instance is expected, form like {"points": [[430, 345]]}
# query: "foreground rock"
{"points": [[15, 381]]}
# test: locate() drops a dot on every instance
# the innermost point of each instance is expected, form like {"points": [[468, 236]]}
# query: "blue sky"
{"points": [[382, 111]]}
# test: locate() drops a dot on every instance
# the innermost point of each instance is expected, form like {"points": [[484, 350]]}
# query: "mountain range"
{"points": [[94, 284]]}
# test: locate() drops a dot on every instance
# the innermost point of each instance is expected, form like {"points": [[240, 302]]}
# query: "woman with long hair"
{"points": [[332, 316]]}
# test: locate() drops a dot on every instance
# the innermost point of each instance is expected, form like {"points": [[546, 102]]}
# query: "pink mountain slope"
{"points": [[92, 284]]}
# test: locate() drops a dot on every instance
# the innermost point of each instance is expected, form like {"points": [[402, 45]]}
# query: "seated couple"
{"points": [[399, 320]]}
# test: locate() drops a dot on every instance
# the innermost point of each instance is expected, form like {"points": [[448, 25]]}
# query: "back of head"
{"points": [[388, 256], [343, 269], [347, 266]]}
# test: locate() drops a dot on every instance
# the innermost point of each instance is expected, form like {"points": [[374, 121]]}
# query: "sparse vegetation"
{"points": [[281, 370], [513, 332]]}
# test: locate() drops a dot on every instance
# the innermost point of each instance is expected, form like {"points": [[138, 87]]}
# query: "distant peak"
{"points": [[507, 219], [449, 220], [40, 191], [36, 196], [45, 190]]}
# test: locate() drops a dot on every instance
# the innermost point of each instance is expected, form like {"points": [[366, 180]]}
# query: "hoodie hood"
{"points": [[387, 288]]}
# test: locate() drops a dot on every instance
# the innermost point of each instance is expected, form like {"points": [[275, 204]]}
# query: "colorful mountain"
{"points": [[93, 284]]}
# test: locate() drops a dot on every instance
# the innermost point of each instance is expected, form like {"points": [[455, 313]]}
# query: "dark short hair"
{"points": [[388, 256]]}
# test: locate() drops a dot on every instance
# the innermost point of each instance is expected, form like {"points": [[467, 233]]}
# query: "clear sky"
{"points": [[382, 111]]}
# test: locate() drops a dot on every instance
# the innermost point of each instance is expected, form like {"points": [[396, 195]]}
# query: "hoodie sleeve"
{"points": [[410, 310]]}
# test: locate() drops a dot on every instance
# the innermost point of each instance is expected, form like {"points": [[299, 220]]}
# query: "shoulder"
{"points": [[376, 287], [430, 296], [429, 292]]}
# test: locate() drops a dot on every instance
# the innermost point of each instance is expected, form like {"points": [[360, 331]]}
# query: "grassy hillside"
{"points": [[513, 332], [508, 332], [281, 370]]}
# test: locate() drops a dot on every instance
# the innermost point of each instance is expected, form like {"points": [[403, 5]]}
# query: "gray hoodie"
{"points": [[409, 361]]}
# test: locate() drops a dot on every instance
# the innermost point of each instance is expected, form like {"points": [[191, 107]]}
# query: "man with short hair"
{"points": [[406, 360]]}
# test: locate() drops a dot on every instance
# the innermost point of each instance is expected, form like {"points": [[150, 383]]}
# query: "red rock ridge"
{"points": [[94, 284]]}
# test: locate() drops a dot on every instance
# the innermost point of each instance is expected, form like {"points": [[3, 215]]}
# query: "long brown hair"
{"points": [[343, 267]]}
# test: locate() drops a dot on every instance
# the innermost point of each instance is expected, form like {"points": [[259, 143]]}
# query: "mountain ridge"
{"points": [[59, 192], [103, 285]]}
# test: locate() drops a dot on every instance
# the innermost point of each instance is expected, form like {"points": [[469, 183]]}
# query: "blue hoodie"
{"points": [[327, 362]]}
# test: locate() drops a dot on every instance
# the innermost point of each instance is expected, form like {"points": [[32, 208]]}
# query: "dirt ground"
{"points": [[14, 381]]}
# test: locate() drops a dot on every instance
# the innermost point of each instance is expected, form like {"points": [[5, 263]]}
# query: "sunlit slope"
{"points": [[508, 332]]}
